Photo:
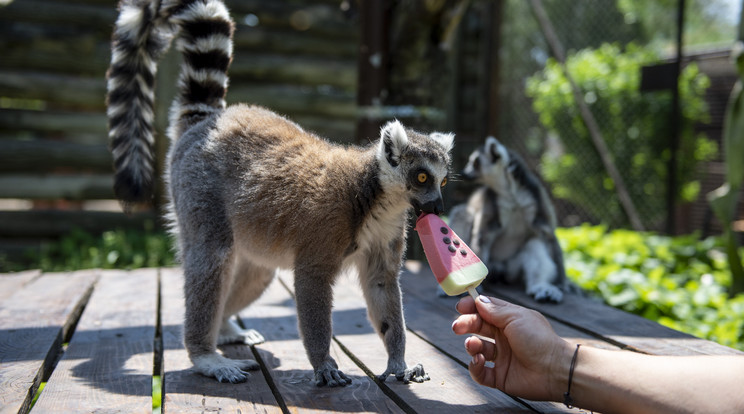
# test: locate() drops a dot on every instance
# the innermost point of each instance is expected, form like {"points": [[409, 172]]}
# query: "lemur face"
{"points": [[420, 162], [424, 182], [488, 162]]}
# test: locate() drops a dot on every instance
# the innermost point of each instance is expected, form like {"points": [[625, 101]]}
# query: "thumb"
{"points": [[497, 312]]}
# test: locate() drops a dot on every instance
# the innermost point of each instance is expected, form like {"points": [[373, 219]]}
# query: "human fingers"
{"points": [[480, 372], [466, 305], [475, 345], [468, 323]]}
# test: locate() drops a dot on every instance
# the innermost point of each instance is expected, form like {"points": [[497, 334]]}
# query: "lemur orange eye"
{"points": [[444, 182], [422, 177]]}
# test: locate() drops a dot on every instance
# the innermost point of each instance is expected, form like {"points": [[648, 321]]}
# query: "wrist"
{"points": [[559, 370]]}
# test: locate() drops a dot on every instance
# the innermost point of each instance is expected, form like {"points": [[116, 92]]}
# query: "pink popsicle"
{"points": [[455, 266]]}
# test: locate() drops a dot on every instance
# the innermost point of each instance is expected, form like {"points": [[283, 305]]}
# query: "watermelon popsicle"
{"points": [[455, 266]]}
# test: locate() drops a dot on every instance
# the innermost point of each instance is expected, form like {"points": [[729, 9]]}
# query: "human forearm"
{"points": [[622, 381]]}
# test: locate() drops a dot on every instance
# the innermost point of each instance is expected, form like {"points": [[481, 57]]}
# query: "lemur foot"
{"points": [[231, 333], [330, 375], [415, 374], [545, 292], [224, 369]]}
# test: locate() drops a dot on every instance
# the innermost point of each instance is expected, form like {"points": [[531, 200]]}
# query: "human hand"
{"points": [[527, 354]]}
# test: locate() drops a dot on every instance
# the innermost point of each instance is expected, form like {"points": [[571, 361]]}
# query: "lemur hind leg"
{"points": [[249, 281], [206, 270], [540, 272]]}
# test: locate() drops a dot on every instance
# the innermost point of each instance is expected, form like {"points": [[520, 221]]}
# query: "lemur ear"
{"points": [[446, 140], [492, 148], [393, 140]]}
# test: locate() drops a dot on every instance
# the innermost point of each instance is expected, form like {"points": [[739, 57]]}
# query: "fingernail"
{"points": [[453, 324], [484, 299]]}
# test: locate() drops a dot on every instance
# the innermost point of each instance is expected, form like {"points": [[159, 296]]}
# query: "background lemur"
{"points": [[251, 191], [510, 223]]}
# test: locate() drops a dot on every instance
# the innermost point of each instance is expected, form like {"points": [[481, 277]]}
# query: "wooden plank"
{"points": [[55, 223], [48, 155], [616, 326], [294, 100], [54, 121], [430, 316], [294, 70], [11, 282], [187, 391], [55, 12], [77, 91], [291, 42], [33, 323], [450, 389], [330, 128], [109, 360], [58, 61], [58, 186], [274, 315], [312, 19]]}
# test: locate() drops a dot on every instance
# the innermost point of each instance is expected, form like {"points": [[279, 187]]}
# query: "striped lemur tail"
{"points": [[143, 33]]}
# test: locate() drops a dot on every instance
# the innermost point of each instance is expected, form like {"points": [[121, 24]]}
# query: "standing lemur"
{"points": [[510, 223], [251, 191]]}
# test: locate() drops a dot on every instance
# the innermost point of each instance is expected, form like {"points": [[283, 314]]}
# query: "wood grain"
{"points": [[108, 364], [33, 323], [588, 321], [109, 360], [450, 389], [274, 315], [430, 316], [11, 282], [616, 326]]}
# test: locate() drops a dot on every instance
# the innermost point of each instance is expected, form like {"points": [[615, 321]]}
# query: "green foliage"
{"points": [[116, 249], [680, 282], [723, 200], [37, 395], [706, 21], [157, 396], [634, 125]]}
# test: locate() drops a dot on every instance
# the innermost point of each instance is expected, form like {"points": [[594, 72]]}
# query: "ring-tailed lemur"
{"points": [[510, 222], [251, 191]]}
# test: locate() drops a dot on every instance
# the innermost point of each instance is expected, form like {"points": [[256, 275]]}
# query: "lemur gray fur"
{"points": [[251, 191], [509, 222]]}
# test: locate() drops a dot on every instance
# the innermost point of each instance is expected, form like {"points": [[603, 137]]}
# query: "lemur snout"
{"points": [[433, 207]]}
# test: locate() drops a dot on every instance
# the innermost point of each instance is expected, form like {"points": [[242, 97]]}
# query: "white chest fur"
{"points": [[384, 223], [517, 210]]}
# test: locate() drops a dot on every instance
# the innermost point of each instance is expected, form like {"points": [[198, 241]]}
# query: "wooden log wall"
{"points": [[297, 57]]}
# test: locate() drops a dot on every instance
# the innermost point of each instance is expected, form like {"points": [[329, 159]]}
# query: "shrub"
{"points": [[680, 282], [116, 249], [634, 125]]}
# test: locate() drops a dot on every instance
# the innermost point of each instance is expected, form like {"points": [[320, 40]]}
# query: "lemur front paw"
{"points": [[224, 369], [415, 374], [545, 292], [331, 376]]}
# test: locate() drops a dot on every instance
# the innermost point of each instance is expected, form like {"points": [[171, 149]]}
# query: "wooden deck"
{"points": [[98, 337]]}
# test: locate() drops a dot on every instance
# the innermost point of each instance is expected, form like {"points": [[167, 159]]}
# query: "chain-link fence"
{"points": [[620, 63]]}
